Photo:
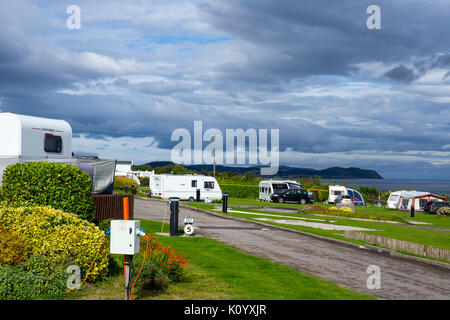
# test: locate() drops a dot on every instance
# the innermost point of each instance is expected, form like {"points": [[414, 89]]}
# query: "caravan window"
{"points": [[422, 203], [337, 193], [209, 184], [393, 197], [52, 143], [193, 183]]}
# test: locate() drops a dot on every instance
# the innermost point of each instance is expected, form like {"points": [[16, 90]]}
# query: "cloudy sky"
{"points": [[340, 94]]}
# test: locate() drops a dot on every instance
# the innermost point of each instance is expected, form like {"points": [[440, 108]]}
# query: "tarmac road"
{"points": [[335, 262]]}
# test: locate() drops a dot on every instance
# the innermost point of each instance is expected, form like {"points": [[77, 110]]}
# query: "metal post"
{"points": [[127, 259], [174, 216], [198, 195], [412, 211], [149, 193], [225, 202], [133, 189], [126, 188], [127, 275]]}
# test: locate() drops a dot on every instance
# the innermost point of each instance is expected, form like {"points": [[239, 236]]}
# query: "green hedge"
{"points": [[121, 182], [240, 191], [63, 187], [17, 283]]}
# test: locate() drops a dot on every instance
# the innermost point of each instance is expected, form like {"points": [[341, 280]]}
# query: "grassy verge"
{"points": [[218, 271], [435, 238]]}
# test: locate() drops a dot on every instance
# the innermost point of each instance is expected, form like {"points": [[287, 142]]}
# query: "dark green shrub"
{"points": [[152, 278], [60, 186], [240, 191], [17, 283]]}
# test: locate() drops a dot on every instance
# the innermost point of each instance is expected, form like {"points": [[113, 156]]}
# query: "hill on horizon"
{"points": [[284, 171]]}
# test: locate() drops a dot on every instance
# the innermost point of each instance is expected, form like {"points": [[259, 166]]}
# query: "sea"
{"points": [[384, 185]]}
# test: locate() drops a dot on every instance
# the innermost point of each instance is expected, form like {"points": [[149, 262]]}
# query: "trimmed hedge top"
{"points": [[60, 186]]}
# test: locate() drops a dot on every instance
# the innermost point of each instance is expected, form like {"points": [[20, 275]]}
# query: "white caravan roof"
{"points": [[409, 194], [27, 136]]}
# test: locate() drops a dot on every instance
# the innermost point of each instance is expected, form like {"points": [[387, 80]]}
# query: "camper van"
{"points": [[270, 187], [335, 191], [30, 139], [185, 187]]}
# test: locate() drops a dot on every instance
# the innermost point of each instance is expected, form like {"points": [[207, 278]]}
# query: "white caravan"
{"points": [[185, 187], [269, 187], [335, 191], [30, 139], [403, 200]]}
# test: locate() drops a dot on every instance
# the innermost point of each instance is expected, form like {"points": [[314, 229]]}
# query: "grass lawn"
{"points": [[219, 272]]}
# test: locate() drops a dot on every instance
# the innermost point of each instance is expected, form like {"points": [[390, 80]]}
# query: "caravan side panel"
{"points": [[10, 135]]}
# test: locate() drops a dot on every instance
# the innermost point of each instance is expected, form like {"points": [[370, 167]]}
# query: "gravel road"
{"points": [[339, 263]]}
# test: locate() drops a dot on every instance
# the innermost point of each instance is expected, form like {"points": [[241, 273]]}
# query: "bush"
{"points": [[58, 235], [444, 211], [121, 182], [152, 278], [60, 186], [145, 181], [13, 248], [16, 283], [240, 191]]}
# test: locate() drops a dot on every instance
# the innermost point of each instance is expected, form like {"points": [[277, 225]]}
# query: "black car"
{"points": [[434, 206], [292, 195]]}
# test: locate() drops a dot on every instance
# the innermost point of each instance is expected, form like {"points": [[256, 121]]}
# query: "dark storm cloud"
{"points": [[401, 74], [298, 38]]}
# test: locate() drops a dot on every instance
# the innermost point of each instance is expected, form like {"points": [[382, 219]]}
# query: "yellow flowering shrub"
{"points": [[54, 233], [346, 209], [13, 248]]}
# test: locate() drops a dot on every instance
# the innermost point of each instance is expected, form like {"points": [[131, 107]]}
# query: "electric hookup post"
{"points": [[174, 216], [225, 202], [125, 240], [198, 195]]}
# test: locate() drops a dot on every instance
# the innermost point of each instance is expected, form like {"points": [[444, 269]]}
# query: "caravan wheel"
{"points": [[191, 199]]}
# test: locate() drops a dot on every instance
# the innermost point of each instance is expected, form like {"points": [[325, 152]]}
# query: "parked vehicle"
{"points": [[335, 191], [270, 187], [292, 195], [344, 199], [185, 187], [30, 139], [433, 206]]}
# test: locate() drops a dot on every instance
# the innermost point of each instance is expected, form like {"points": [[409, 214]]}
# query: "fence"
{"points": [[395, 244], [110, 206]]}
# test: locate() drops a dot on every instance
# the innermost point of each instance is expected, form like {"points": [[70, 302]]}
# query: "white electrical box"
{"points": [[125, 237]]}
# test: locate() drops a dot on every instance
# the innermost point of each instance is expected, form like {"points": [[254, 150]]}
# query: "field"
{"points": [[217, 271]]}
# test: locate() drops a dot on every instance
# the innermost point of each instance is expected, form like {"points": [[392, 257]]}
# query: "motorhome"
{"points": [[185, 187], [334, 191], [403, 200], [270, 187], [30, 139]]}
